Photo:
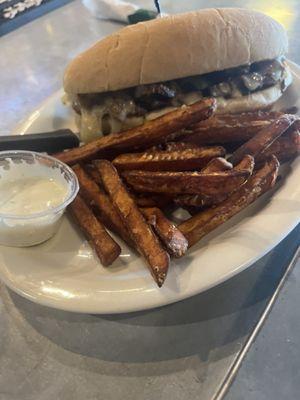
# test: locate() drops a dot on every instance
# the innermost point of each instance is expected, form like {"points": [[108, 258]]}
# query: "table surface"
{"points": [[183, 351]]}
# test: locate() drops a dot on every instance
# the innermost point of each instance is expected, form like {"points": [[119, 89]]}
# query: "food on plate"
{"points": [[105, 246], [206, 183], [159, 130], [137, 73], [135, 212], [260, 182], [263, 139], [101, 204], [228, 128], [139, 230], [167, 120], [284, 148], [169, 160], [216, 165], [169, 234]]}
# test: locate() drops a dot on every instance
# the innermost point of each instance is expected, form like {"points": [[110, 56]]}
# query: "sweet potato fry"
{"points": [[171, 237], [105, 246], [227, 128], [101, 204], [284, 148], [201, 224], [198, 200], [141, 233], [207, 184], [263, 139], [174, 160], [151, 133]]}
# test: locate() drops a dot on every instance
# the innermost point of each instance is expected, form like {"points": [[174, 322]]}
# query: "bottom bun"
{"points": [[256, 101]]}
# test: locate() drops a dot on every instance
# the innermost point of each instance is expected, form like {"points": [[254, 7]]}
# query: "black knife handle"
{"points": [[50, 142]]}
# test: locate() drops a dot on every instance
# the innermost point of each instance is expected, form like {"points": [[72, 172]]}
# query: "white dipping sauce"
{"points": [[34, 192], [26, 196]]}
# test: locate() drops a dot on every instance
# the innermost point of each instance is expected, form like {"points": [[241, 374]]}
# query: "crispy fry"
{"points": [[217, 164], [105, 246], [263, 139], [102, 205], [201, 224], [151, 133], [207, 184], [141, 233], [171, 237], [284, 148], [175, 160], [197, 200], [227, 128]]}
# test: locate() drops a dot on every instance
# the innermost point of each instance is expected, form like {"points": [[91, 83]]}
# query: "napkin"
{"points": [[118, 10]]}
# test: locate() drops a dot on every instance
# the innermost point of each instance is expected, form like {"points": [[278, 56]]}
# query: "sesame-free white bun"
{"points": [[174, 47]]}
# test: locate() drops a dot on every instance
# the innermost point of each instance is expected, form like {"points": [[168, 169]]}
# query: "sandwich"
{"points": [[149, 69]]}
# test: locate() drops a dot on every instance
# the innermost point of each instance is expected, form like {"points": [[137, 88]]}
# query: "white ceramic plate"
{"points": [[64, 273]]}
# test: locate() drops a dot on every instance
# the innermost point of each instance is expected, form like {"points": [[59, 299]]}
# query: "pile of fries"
{"points": [[212, 165]]}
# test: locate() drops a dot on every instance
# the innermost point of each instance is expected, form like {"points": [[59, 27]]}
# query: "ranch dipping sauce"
{"points": [[27, 196], [34, 192]]}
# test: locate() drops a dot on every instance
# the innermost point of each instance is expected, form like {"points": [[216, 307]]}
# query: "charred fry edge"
{"points": [[141, 233], [105, 246], [201, 224], [171, 237]]}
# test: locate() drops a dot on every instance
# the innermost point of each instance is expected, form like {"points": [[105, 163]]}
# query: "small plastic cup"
{"points": [[34, 228]]}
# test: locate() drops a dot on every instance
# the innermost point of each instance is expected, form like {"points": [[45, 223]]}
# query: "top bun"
{"points": [[174, 47]]}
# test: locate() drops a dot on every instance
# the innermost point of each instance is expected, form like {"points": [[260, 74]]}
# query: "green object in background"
{"points": [[141, 15]]}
